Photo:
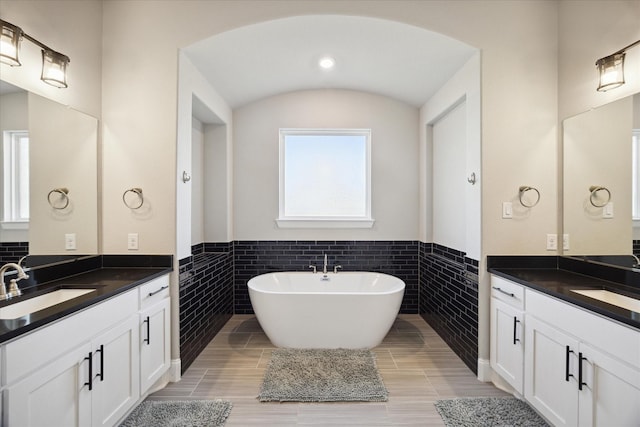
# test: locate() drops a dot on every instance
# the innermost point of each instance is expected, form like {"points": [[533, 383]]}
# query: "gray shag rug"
{"points": [[322, 375], [188, 413], [488, 412]]}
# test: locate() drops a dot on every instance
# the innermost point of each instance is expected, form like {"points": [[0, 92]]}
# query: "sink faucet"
{"points": [[637, 263], [14, 291], [324, 267]]}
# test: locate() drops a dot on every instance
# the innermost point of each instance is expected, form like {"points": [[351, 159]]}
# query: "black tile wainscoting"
{"points": [[206, 297], [13, 251], [441, 284], [398, 258], [449, 298]]}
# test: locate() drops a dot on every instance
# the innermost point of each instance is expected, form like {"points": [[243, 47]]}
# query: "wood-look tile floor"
{"points": [[417, 368]]}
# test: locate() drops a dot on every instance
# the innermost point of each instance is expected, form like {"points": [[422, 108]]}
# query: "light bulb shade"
{"points": [[610, 71], [10, 38], [54, 68]]}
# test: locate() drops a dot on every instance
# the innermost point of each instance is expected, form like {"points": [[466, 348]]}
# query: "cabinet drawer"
{"points": [[154, 291], [613, 338], [507, 291], [35, 349]]}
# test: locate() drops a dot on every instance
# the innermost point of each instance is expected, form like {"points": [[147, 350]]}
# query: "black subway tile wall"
{"points": [[399, 258], [206, 297], [441, 284], [636, 247], [449, 298], [13, 251]]}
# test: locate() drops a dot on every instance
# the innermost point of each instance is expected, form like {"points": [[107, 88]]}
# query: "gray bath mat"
{"points": [[304, 375], [488, 412], [188, 413]]}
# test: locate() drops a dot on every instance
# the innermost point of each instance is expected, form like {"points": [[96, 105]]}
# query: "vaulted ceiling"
{"points": [[372, 55]]}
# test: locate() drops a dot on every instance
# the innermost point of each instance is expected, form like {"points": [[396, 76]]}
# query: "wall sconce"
{"points": [[611, 69], [54, 64]]}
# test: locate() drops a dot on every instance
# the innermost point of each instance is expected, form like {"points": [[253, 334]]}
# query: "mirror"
{"points": [[62, 155], [597, 181]]}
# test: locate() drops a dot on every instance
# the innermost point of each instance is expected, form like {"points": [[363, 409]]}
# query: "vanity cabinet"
{"points": [[580, 368], [507, 331], [87, 372], [154, 321], [90, 368]]}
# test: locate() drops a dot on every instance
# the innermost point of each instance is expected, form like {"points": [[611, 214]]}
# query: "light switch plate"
{"points": [[565, 242], [607, 211], [552, 242], [507, 210], [132, 241], [70, 241]]}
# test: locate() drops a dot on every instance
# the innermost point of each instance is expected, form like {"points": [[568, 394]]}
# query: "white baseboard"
{"points": [[174, 374], [485, 372]]}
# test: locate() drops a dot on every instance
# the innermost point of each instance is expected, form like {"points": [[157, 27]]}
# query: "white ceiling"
{"points": [[372, 55]]}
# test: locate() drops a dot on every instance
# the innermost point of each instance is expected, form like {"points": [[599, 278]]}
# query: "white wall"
{"points": [[63, 145], [394, 163], [519, 92], [597, 151], [590, 30], [68, 26], [217, 183], [197, 182], [14, 115]]}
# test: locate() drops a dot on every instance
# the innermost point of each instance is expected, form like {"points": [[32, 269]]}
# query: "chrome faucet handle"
{"points": [[314, 268], [335, 268]]}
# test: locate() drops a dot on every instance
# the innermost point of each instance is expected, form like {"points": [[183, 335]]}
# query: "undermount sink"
{"points": [[41, 302], [613, 298]]}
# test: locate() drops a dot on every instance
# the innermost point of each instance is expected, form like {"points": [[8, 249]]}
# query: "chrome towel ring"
{"points": [[63, 198], [138, 193], [524, 189], [593, 197]]}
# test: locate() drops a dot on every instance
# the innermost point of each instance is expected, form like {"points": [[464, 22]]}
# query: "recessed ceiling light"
{"points": [[327, 63]]}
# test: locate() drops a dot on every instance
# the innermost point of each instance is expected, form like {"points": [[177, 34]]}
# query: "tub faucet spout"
{"points": [[324, 267]]}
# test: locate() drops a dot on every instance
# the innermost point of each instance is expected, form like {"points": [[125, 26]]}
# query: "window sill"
{"points": [[14, 225], [324, 223]]}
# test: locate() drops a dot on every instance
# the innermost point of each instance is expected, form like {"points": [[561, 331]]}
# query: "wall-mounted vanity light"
{"points": [[611, 69], [54, 64]]}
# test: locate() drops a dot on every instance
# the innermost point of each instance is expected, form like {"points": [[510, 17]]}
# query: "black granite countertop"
{"points": [[105, 282], [560, 283]]}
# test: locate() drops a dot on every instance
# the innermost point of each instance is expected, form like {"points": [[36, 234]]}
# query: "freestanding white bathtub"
{"points": [[333, 310]]}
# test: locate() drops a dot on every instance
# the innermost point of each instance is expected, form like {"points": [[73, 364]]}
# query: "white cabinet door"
{"points": [[56, 395], [116, 365], [507, 343], [551, 372], [610, 393], [154, 343]]}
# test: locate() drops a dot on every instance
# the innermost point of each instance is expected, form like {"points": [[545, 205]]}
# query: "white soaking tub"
{"points": [[333, 310]]}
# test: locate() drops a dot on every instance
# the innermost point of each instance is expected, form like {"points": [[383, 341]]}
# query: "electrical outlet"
{"points": [[507, 210], [132, 241], [70, 241], [565, 242], [552, 242]]}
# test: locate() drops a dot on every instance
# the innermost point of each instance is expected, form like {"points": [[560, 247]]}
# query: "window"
{"points": [[635, 170], [325, 178], [15, 151]]}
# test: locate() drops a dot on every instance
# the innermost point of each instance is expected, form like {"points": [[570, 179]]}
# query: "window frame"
{"points": [[12, 182], [320, 221], [635, 187]]}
